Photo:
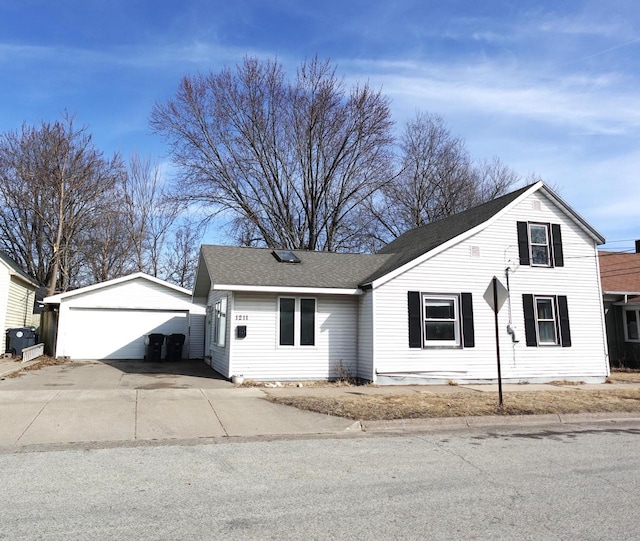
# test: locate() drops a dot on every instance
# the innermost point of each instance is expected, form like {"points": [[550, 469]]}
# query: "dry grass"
{"points": [[625, 376], [430, 405]]}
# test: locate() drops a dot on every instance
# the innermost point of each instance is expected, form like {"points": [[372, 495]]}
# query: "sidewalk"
{"points": [[103, 403]]}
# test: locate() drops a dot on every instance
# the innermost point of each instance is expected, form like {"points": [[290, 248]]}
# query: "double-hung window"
{"points": [[632, 325], [296, 321], [540, 244], [546, 320], [540, 251], [441, 320]]}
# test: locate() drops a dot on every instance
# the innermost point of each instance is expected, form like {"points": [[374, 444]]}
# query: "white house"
{"points": [[111, 320], [416, 311], [17, 297]]}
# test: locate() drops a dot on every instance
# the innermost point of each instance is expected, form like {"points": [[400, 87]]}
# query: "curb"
{"points": [[17, 367], [497, 421]]}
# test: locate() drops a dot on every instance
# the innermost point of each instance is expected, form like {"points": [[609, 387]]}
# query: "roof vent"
{"points": [[285, 256]]}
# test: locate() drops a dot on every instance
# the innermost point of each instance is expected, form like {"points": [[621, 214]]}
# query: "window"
{"points": [[285, 256], [440, 320], [297, 318], [546, 320], [539, 235], [631, 321], [220, 322], [307, 322], [287, 321], [540, 245]]}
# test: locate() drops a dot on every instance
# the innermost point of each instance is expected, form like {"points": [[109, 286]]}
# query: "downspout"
{"points": [[26, 308], [511, 329]]}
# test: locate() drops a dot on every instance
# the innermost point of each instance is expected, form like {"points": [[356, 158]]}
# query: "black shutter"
{"points": [[529, 320], [556, 236], [415, 323], [468, 335], [523, 243], [563, 316]]}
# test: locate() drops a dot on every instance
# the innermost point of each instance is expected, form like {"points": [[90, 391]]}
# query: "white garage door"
{"points": [[117, 333]]}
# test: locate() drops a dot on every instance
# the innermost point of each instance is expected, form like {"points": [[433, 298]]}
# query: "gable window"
{"points": [[539, 235], [632, 325], [546, 320], [296, 321], [220, 322], [540, 244], [440, 320]]}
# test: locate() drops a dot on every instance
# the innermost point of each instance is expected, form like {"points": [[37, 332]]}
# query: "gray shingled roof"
{"points": [[231, 265], [16, 269], [258, 267], [421, 240]]}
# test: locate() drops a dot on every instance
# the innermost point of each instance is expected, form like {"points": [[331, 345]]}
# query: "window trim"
{"points": [[457, 341], [626, 325], [297, 322], [416, 321], [554, 320], [220, 322], [547, 244], [561, 320]]}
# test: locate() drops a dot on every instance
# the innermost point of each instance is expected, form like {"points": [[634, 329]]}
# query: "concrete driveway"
{"points": [[93, 401], [134, 374]]}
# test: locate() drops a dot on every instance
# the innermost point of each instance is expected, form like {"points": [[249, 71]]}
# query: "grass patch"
{"points": [[432, 405], [625, 376]]}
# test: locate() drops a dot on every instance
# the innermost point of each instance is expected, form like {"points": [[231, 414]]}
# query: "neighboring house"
{"points": [[111, 320], [17, 296], [620, 275], [415, 312]]}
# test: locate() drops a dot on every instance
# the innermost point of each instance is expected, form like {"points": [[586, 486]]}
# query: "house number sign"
{"points": [[242, 317]]}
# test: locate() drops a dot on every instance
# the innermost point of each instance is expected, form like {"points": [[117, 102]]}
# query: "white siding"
{"points": [[219, 355], [258, 356], [19, 304], [135, 293], [145, 305], [455, 270], [365, 336], [4, 295]]}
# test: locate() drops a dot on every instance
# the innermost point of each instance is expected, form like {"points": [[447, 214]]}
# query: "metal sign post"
{"points": [[495, 295]]}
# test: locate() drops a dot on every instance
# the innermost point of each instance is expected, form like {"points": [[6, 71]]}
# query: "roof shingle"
{"points": [[619, 272], [231, 265]]}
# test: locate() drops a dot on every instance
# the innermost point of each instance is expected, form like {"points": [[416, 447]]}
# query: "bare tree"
{"points": [[52, 181], [182, 254], [106, 249], [437, 179], [148, 215], [292, 161]]}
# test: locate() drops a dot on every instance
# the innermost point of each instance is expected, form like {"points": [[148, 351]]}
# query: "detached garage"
{"points": [[111, 320]]}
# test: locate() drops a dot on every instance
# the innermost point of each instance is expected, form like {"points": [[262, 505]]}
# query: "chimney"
{"points": [[638, 247]]}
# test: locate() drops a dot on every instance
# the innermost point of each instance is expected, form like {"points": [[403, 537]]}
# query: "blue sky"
{"points": [[551, 88]]}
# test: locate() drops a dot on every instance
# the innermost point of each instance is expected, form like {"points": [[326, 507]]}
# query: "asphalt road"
{"points": [[581, 483]]}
